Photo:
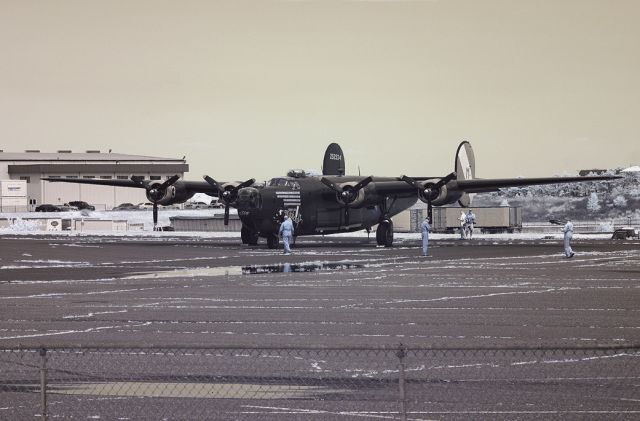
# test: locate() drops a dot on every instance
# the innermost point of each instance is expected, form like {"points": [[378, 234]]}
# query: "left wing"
{"points": [[489, 185], [460, 184]]}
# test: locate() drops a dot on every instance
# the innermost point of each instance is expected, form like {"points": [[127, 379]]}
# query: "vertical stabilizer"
{"points": [[465, 169], [333, 163]]}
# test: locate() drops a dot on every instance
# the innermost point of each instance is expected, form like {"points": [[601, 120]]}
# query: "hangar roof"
{"points": [[91, 156]]}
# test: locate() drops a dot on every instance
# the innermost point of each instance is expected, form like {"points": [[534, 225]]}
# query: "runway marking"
{"points": [[285, 410], [66, 332], [481, 295]]}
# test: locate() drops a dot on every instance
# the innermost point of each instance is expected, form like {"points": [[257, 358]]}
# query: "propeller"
{"points": [[429, 192], [228, 196], [347, 193], [155, 192]]}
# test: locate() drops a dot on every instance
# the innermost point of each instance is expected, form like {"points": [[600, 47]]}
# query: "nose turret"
{"points": [[249, 198]]}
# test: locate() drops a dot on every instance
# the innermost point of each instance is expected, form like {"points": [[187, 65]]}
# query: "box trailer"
{"points": [[488, 219]]}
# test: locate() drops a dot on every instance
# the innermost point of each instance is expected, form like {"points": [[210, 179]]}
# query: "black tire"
{"points": [[273, 241], [248, 236], [384, 233]]}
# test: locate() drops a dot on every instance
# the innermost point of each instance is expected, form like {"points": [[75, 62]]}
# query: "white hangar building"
{"points": [[32, 165]]}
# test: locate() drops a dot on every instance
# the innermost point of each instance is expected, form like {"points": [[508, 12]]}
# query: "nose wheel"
{"points": [[249, 236], [272, 241], [384, 233]]}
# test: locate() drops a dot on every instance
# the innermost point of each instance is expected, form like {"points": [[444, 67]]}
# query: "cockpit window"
{"points": [[283, 182]]}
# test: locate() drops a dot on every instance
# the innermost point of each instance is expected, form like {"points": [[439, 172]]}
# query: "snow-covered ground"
{"points": [[27, 221], [30, 223]]}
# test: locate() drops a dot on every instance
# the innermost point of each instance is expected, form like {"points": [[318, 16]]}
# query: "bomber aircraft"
{"points": [[332, 202]]}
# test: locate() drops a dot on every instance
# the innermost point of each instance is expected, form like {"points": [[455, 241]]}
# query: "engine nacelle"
{"points": [[227, 188], [349, 196], [168, 196], [443, 195]]}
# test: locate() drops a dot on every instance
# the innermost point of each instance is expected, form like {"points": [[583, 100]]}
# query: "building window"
{"points": [[27, 179], [105, 177], [54, 176], [155, 177], [72, 176], [122, 177], [88, 176]]}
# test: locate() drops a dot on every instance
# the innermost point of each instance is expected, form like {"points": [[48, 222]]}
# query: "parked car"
{"points": [[216, 203], [195, 205], [625, 233], [67, 208], [146, 205], [47, 207], [82, 205], [126, 206]]}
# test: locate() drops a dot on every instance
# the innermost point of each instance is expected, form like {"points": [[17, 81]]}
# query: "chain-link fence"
{"points": [[153, 383]]}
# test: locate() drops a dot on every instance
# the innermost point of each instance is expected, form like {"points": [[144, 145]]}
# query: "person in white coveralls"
{"points": [[471, 220], [568, 234], [463, 224], [286, 232], [425, 237]]}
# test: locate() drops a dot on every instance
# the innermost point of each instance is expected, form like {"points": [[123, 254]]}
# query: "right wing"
{"points": [[187, 187]]}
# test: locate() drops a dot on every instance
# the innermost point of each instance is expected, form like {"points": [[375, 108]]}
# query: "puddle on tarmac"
{"points": [[298, 267], [247, 270]]}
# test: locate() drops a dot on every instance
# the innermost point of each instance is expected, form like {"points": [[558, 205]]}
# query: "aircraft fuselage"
{"points": [[314, 207]]}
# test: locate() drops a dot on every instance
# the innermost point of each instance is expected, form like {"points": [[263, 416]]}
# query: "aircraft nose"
{"points": [[249, 198]]}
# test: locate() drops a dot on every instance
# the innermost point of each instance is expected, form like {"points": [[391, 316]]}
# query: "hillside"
{"points": [[617, 200]]}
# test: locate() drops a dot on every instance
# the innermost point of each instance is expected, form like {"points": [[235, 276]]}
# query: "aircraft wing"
{"points": [[97, 181], [189, 186], [450, 189], [488, 185]]}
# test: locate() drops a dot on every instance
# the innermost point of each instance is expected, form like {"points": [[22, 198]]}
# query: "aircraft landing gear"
{"points": [[249, 236], [272, 241], [384, 233]]}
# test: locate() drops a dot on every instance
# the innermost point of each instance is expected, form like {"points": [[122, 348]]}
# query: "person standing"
{"points": [[470, 220], [463, 225], [286, 232], [425, 237], [568, 235]]}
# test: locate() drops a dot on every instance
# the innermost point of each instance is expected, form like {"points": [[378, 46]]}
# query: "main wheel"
{"points": [[384, 233], [272, 241], [248, 236]]}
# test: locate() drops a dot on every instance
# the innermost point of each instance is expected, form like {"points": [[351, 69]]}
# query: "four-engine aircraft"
{"points": [[330, 203]]}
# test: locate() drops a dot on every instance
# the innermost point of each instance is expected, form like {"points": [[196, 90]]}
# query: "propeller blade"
{"points": [[411, 181], [245, 184], [445, 180], [226, 214], [330, 184], [363, 183], [155, 215], [212, 182], [169, 182]]}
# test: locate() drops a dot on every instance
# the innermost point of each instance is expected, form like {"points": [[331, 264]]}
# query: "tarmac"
{"points": [[332, 291]]}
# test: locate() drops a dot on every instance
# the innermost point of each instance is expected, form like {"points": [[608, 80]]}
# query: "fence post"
{"points": [[401, 382], [43, 382]]}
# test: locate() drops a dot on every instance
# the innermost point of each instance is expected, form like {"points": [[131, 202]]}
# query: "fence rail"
{"points": [[318, 383]]}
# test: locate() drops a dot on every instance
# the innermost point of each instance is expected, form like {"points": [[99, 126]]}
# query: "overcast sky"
{"points": [[253, 88]]}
